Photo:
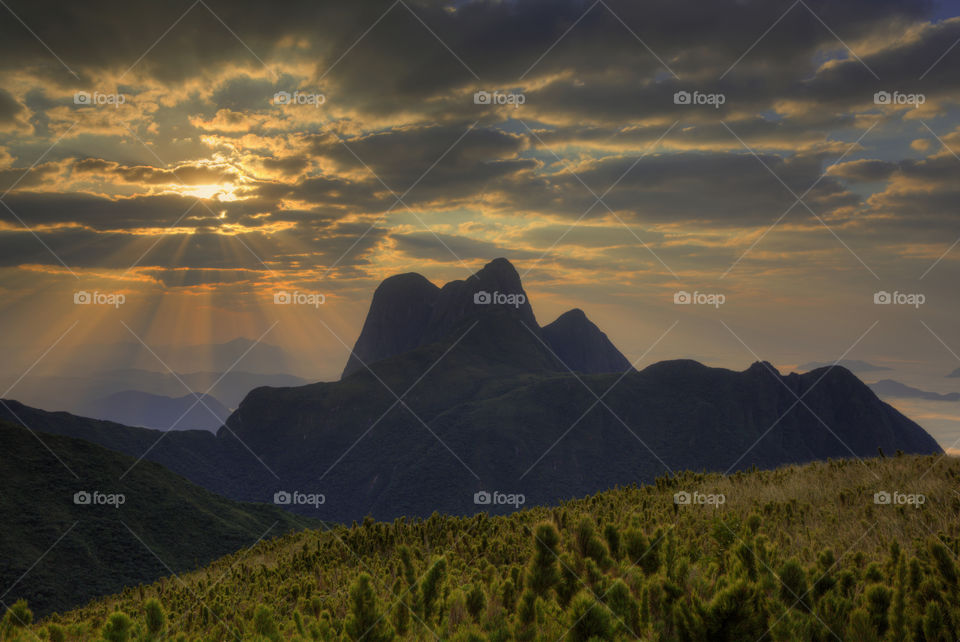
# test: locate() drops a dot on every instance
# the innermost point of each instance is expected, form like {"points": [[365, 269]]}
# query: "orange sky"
{"points": [[198, 159]]}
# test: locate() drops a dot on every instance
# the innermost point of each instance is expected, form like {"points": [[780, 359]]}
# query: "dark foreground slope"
{"points": [[798, 553], [57, 553]]}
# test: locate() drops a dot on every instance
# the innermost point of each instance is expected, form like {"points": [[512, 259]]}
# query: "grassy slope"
{"points": [[183, 524], [696, 573]]}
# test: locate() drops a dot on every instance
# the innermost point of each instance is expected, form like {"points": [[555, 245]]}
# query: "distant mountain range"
{"points": [[89, 394], [486, 402], [954, 374], [137, 408], [891, 388], [41, 501]]}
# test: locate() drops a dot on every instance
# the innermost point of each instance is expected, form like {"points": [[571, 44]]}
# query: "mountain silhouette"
{"points": [[582, 346], [408, 311], [76, 391], [484, 402], [136, 408], [853, 365], [891, 388]]}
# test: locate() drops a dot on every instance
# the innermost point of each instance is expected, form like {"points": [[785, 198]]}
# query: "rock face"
{"points": [[582, 346], [399, 313], [474, 418], [496, 286], [407, 311]]}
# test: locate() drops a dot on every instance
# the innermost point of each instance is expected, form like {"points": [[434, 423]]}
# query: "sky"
{"points": [[168, 169]]}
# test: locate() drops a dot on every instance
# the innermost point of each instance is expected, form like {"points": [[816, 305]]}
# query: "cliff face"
{"points": [[580, 344], [407, 311], [400, 310]]}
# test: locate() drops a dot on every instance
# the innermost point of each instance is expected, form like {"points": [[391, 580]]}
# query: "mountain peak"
{"points": [[573, 314], [763, 367], [400, 309], [408, 311], [500, 266], [582, 346], [495, 287]]}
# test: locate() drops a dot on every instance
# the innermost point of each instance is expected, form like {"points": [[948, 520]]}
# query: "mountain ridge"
{"points": [[139, 408], [490, 406], [407, 311]]}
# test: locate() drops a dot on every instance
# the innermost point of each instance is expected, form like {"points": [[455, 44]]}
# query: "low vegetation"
{"points": [[797, 553]]}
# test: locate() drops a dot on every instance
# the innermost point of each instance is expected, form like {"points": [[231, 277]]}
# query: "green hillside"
{"points": [[797, 553], [163, 523]]}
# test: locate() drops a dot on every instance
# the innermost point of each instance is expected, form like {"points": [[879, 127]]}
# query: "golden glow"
{"points": [[224, 193]]}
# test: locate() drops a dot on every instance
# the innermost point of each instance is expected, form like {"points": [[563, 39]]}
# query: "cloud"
{"points": [[719, 188], [451, 248], [148, 175], [434, 161], [12, 113], [599, 86]]}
